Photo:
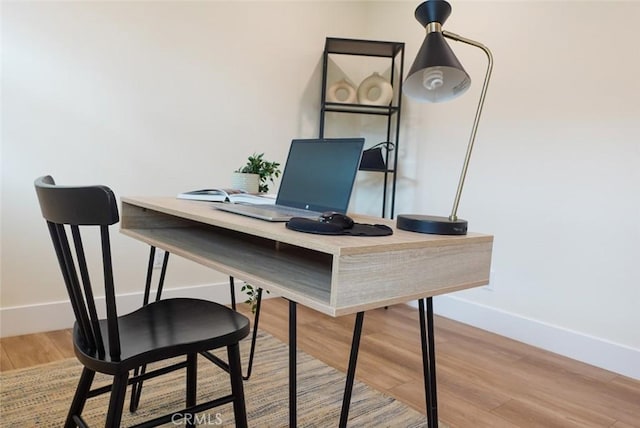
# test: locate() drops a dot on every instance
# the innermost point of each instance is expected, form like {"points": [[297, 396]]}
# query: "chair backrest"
{"points": [[67, 208]]}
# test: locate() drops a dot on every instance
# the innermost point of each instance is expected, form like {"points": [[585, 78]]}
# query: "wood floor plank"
{"points": [[567, 365], [481, 387], [5, 361], [619, 424], [534, 412], [630, 387], [29, 350], [458, 412], [577, 390], [62, 340]]}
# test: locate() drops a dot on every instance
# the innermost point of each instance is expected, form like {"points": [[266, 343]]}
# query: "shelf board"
{"points": [[388, 171], [362, 47], [359, 108]]}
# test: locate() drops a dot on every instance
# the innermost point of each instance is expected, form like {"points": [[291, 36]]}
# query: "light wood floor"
{"points": [[484, 380]]}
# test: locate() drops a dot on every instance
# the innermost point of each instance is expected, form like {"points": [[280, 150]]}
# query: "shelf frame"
{"points": [[394, 51]]}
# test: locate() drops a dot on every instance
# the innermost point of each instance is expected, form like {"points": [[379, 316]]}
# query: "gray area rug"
{"points": [[40, 396]]}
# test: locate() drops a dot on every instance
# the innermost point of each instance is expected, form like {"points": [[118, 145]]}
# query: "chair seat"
{"points": [[166, 329]]}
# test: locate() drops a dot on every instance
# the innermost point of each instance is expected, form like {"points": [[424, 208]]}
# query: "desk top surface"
{"points": [[205, 212]]}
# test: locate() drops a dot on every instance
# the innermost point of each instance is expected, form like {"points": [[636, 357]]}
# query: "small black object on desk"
{"points": [[336, 218]]}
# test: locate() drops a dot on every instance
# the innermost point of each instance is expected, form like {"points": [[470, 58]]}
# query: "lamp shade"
{"points": [[436, 74]]}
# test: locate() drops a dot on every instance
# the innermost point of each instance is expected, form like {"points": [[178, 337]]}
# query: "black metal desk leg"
{"points": [[254, 335], [429, 361], [256, 320], [293, 389], [351, 372], [232, 290]]}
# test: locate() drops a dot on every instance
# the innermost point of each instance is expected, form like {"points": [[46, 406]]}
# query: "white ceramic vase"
{"points": [[342, 92], [243, 181], [375, 90]]}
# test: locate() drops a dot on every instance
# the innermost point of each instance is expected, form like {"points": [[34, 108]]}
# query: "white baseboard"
{"points": [[50, 316], [592, 350]]}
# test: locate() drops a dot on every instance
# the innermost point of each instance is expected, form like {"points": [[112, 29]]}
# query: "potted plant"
{"points": [[266, 171]]}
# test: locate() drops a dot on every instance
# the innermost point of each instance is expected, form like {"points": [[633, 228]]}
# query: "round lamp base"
{"points": [[431, 224]]}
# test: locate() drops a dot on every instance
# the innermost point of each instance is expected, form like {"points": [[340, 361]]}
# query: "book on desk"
{"points": [[234, 196]]}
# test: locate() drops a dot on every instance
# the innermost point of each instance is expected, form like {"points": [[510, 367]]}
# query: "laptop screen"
{"points": [[319, 174]]}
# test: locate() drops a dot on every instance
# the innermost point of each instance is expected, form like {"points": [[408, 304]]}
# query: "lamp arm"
{"points": [[476, 121]]}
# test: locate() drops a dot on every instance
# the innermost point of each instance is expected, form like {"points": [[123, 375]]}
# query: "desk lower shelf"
{"points": [[288, 270]]}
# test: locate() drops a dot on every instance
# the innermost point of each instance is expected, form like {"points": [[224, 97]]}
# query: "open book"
{"points": [[227, 195]]}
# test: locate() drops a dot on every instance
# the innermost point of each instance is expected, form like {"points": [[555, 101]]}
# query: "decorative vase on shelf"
{"points": [[342, 92], [375, 90], [248, 182]]}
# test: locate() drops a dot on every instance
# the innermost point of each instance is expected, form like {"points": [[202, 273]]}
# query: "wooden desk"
{"points": [[336, 275]]}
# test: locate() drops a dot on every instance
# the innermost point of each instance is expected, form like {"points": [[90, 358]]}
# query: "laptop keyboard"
{"points": [[285, 211]]}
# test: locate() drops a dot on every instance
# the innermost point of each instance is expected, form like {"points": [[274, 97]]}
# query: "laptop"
{"points": [[318, 177]]}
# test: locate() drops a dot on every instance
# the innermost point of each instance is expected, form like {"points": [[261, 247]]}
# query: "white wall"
{"points": [[159, 97], [555, 174], [148, 98]]}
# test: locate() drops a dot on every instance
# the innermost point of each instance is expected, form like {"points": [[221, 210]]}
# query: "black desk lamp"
{"points": [[435, 76]]}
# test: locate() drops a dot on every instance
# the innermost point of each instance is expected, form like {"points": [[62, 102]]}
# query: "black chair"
{"points": [[158, 331]]}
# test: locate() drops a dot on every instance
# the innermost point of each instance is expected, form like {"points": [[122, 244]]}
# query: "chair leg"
{"points": [[192, 378], [80, 397], [136, 389], [237, 389], [116, 401]]}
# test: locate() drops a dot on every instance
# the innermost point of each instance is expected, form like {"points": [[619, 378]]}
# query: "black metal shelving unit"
{"points": [[394, 52]]}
